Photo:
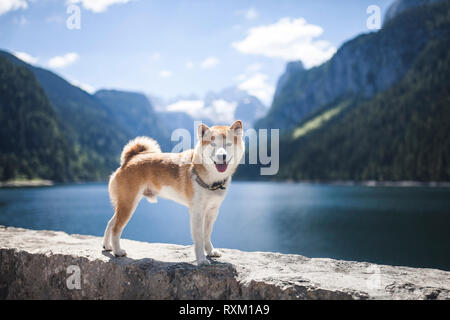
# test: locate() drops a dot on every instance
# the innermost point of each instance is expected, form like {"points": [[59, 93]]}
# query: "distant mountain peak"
{"points": [[295, 66]]}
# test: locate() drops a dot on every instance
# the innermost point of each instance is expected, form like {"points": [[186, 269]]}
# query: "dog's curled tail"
{"points": [[136, 146]]}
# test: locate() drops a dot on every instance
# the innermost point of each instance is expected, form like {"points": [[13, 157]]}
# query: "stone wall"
{"points": [[55, 265]]}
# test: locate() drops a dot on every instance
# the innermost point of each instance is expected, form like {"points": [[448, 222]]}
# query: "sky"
{"points": [[179, 47]]}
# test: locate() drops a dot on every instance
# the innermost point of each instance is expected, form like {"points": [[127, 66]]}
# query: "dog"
{"points": [[197, 178]]}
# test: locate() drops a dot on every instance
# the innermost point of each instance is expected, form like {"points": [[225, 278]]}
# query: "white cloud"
{"points": [[12, 5], [256, 85], [218, 111], [63, 61], [209, 62], [165, 74], [289, 39], [84, 86], [221, 111], [98, 5], [191, 107], [26, 57]]}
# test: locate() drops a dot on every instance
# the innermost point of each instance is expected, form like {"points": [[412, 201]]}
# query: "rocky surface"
{"points": [[46, 265]]}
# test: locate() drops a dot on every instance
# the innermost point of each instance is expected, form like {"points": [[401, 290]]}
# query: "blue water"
{"points": [[388, 225]]}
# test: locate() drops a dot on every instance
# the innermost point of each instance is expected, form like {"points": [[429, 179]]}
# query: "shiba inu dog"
{"points": [[197, 178]]}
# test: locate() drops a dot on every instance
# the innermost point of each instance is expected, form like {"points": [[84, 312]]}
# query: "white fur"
{"points": [[203, 207]]}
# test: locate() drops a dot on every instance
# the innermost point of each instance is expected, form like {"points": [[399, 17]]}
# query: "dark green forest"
{"points": [[378, 110], [31, 140], [92, 128], [401, 134]]}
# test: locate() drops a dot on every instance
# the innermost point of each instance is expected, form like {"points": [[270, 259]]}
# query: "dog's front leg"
{"points": [[210, 217], [197, 221]]}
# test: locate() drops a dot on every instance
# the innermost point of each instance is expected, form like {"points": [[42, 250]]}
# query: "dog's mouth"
{"points": [[221, 167]]}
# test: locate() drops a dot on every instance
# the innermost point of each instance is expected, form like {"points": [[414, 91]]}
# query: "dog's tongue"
{"points": [[221, 167]]}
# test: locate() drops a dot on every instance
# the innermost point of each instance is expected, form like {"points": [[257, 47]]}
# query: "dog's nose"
{"points": [[221, 155]]}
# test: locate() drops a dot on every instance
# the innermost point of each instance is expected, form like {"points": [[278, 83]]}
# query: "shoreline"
{"points": [[407, 184], [368, 183], [26, 183]]}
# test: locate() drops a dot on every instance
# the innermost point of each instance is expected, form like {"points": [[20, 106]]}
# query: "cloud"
{"points": [[191, 107], [26, 57], [97, 6], [218, 110], [221, 110], [288, 39], [209, 62], [256, 85], [84, 86], [165, 74], [63, 61], [12, 5]]}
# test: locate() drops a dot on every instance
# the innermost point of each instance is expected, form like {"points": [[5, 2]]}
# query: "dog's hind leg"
{"points": [[126, 205], [112, 188]]}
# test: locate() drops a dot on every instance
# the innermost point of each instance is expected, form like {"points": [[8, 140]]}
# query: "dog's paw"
{"points": [[120, 253], [107, 247], [215, 253], [203, 262]]}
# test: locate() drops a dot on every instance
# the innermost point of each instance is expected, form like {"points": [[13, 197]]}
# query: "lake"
{"points": [[407, 226]]}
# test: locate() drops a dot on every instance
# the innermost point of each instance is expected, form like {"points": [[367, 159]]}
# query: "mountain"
{"points": [[178, 120], [85, 121], [247, 108], [364, 66], [95, 126], [32, 142], [220, 107], [400, 6], [401, 133], [134, 112]]}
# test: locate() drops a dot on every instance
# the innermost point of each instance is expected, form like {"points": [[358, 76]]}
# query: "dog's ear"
{"points": [[202, 130], [237, 127]]}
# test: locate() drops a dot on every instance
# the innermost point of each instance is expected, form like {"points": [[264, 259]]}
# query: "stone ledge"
{"points": [[33, 265]]}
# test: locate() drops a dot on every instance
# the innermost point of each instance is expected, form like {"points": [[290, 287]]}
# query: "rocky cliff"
{"points": [[55, 265], [362, 67], [400, 6]]}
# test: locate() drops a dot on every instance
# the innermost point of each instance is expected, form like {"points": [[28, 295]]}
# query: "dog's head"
{"points": [[220, 148]]}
